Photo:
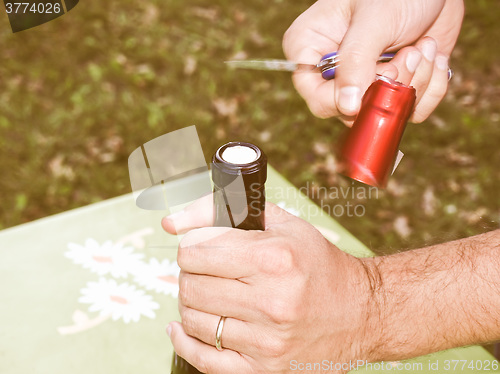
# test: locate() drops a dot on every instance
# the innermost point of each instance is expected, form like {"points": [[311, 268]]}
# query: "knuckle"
{"points": [[355, 54], [275, 348], [354, 60], [320, 108], [285, 43], [182, 255], [273, 258], [186, 289], [192, 241], [291, 42], [202, 364], [280, 311], [188, 321], [428, 103], [437, 91], [418, 116]]}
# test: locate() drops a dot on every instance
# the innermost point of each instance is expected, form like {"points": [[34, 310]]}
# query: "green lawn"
{"points": [[80, 93]]}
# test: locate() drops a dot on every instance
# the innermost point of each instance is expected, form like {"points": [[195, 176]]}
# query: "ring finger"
{"points": [[205, 357], [236, 335], [423, 74], [435, 90]]}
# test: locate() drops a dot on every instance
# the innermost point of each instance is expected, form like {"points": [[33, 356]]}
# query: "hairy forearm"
{"points": [[434, 298]]}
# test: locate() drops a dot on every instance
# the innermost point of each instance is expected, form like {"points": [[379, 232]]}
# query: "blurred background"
{"points": [[80, 93]]}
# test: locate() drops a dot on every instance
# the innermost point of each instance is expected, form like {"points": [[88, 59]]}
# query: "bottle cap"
{"points": [[239, 158]]}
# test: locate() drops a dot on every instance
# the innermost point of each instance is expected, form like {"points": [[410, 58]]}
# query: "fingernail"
{"points": [[442, 62], [412, 61], [429, 49], [349, 98], [169, 330]]}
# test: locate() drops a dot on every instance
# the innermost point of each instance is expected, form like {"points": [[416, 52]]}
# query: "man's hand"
{"points": [[361, 30], [289, 296]]}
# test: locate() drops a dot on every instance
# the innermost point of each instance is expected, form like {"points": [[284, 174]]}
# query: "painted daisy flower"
{"points": [[106, 258], [162, 277], [120, 301]]}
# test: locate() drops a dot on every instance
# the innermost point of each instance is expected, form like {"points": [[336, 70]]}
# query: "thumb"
{"points": [[198, 214], [201, 214], [364, 42]]}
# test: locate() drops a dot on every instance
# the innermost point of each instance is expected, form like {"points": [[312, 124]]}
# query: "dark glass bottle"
{"points": [[239, 172]]}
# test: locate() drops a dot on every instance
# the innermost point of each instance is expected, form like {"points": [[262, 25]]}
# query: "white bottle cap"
{"points": [[239, 155]]}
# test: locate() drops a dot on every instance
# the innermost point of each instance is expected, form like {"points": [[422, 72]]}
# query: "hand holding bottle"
{"points": [[288, 294]]}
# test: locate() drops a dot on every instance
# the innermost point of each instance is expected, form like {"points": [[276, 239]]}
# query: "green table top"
{"points": [[91, 290]]}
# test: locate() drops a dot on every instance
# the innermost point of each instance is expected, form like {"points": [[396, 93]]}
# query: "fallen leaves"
{"points": [[265, 136], [240, 55], [210, 14], [190, 64], [59, 169], [239, 16], [104, 150], [402, 227], [473, 217], [227, 108], [321, 148], [429, 202], [396, 188], [257, 38], [151, 14]]}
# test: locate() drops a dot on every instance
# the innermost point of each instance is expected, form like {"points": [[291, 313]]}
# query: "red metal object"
{"points": [[371, 146]]}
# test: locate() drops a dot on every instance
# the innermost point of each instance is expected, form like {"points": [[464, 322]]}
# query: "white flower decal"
{"points": [[106, 258], [162, 277], [120, 301]]}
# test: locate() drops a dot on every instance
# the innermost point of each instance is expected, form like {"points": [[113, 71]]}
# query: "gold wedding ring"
{"points": [[218, 334]]}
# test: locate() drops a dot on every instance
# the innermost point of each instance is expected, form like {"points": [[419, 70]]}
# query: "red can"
{"points": [[371, 146]]}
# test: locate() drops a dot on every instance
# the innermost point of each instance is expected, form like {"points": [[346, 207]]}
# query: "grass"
{"points": [[83, 91]]}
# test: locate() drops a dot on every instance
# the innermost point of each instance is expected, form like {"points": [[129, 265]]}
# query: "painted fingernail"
{"points": [[429, 50], [442, 62], [169, 330], [349, 99], [412, 61]]}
